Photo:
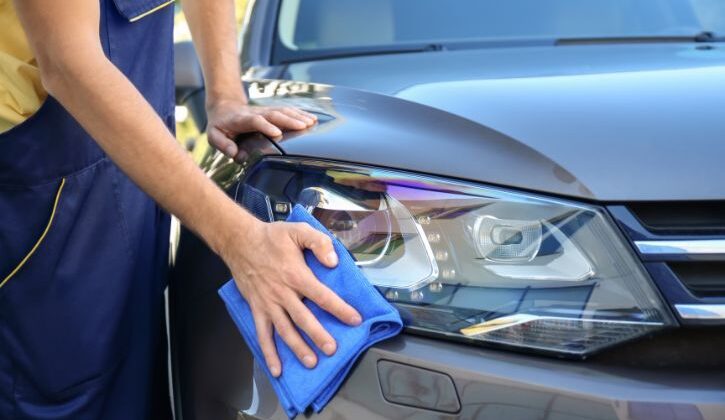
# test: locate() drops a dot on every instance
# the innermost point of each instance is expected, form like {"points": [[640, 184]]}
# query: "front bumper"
{"points": [[490, 384]]}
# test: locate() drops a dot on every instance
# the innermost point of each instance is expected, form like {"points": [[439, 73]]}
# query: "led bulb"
{"points": [[434, 237]]}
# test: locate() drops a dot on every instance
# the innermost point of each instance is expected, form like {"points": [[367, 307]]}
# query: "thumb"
{"points": [[320, 244]]}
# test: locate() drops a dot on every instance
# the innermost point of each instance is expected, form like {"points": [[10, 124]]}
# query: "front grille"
{"points": [[697, 217], [702, 278], [682, 247]]}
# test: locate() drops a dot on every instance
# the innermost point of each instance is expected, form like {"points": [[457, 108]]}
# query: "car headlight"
{"points": [[473, 262]]}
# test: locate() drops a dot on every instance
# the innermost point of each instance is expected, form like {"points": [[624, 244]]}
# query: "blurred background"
{"points": [[186, 130]]}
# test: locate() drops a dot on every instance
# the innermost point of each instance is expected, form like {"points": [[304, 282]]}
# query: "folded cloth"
{"points": [[299, 387]]}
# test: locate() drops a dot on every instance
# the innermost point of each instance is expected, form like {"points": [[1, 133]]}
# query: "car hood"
{"points": [[606, 123]]}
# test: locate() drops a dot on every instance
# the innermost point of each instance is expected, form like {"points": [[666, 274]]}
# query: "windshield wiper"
{"points": [[364, 51], [404, 48], [704, 36]]}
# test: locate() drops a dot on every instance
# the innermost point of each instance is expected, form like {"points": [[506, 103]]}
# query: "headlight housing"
{"points": [[472, 262]]}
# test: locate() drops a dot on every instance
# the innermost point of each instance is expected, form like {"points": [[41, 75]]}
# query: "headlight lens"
{"points": [[473, 262]]}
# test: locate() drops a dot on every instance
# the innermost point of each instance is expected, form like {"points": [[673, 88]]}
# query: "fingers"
{"points": [[266, 120], [289, 335], [282, 120], [277, 302], [298, 114], [221, 142], [320, 244], [271, 121], [265, 337], [329, 301], [247, 123], [259, 123], [307, 322]]}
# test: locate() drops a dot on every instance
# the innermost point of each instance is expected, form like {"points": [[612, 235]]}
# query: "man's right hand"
{"points": [[270, 271]]}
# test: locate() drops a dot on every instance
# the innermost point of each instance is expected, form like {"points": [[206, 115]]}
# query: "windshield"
{"points": [[315, 28]]}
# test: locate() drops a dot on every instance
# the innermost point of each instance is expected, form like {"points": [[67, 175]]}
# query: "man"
{"points": [[82, 244]]}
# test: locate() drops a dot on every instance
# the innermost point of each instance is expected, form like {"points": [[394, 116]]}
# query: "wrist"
{"points": [[236, 234], [225, 94]]}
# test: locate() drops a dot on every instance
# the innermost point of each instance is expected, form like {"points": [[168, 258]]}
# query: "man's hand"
{"points": [[265, 259], [270, 271], [231, 117]]}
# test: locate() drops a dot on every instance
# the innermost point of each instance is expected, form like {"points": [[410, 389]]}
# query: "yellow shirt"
{"points": [[21, 92]]}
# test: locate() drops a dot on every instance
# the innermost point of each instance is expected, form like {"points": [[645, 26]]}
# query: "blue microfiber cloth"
{"points": [[298, 387]]}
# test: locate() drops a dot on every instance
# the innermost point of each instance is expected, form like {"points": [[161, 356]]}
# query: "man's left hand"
{"points": [[229, 118]]}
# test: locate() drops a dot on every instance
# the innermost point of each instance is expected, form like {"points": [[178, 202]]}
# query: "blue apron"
{"points": [[83, 251]]}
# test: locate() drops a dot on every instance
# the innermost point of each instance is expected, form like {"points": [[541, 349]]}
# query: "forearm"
{"points": [[214, 31], [265, 258], [127, 128]]}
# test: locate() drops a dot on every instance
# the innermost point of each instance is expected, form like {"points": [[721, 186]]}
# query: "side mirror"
{"points": [[187, 71]]}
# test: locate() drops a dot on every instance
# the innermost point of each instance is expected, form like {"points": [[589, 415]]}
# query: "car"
{"points": [[536, 185]]}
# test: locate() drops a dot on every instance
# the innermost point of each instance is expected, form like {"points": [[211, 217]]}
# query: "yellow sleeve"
{"points": [[21, 92]]}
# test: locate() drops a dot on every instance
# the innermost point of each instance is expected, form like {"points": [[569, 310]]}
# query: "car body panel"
{"points": [[392, 74], [365, 127], [542, 133]]}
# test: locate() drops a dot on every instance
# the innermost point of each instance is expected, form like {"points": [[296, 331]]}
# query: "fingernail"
{"points": [[230, 151], [328, 348], [274, 370], [332, 258], [308, 361], [355, 320], [277, 133]]}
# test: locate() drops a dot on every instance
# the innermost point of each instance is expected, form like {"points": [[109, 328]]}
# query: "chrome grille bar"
{"points": [[701, 311], [708, 248]]}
